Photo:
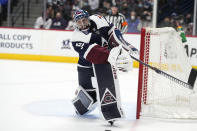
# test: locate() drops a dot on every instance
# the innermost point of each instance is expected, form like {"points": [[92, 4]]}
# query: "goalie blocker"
{"points": [[116, 39]]}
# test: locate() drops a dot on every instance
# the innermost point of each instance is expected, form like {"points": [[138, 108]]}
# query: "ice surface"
{"points": [[35, 96]]}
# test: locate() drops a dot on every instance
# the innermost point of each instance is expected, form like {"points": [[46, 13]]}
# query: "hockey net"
{"points": [[158, 96]]}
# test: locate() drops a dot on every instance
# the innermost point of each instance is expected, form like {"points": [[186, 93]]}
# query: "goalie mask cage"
{"points": [[158, 96]]}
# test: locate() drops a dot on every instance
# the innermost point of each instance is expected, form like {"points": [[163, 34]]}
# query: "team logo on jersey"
{"points": [[108, 98], [66, 44]]}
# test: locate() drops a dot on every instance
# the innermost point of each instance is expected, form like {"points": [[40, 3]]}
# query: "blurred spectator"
{"points": [[94, 5], [147, 5], [133, 23], [58, 6], [4, 6], [0, 15], [117, 19], [188, 18], [85, 6], [105, 7], [189, 29], [49, 1], [59, 23], [166, 22], [41, 23], [178, 21], [50, 11], [181, 20], [76, 5], [138, 6], [124, 8], [101, 12], [146, 19], [67, 10], [71, 23], [174, 20], [116, 2]]}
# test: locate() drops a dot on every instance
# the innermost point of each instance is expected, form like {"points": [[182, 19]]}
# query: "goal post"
{"points": [[158, 96]]}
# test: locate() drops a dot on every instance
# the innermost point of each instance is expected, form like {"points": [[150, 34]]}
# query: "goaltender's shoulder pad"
{"points": [[99, 20], [79, 36]]}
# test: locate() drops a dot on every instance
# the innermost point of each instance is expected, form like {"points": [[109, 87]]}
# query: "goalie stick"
{"points": [[187, 85], [116, 39]]}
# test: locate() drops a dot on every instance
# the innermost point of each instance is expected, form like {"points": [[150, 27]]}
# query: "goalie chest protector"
{"points": [[108, 91]]}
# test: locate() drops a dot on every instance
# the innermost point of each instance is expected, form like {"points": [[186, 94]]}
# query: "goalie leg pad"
{"points": [[108, 91], [83, 102]]}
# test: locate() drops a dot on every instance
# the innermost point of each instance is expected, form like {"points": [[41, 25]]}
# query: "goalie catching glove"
{"points": [[120, 58]]}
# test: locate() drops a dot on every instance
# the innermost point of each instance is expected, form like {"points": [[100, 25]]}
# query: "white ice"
{"points": [[35, 96]]}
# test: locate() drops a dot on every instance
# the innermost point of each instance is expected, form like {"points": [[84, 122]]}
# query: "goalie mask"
{"points": [[81, 18]]}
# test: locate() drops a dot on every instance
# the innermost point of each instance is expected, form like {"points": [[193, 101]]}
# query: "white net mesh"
{"points": [[162, 97]]}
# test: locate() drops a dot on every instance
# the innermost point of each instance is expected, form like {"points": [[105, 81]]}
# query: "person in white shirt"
{"points": [[43, 24]]}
